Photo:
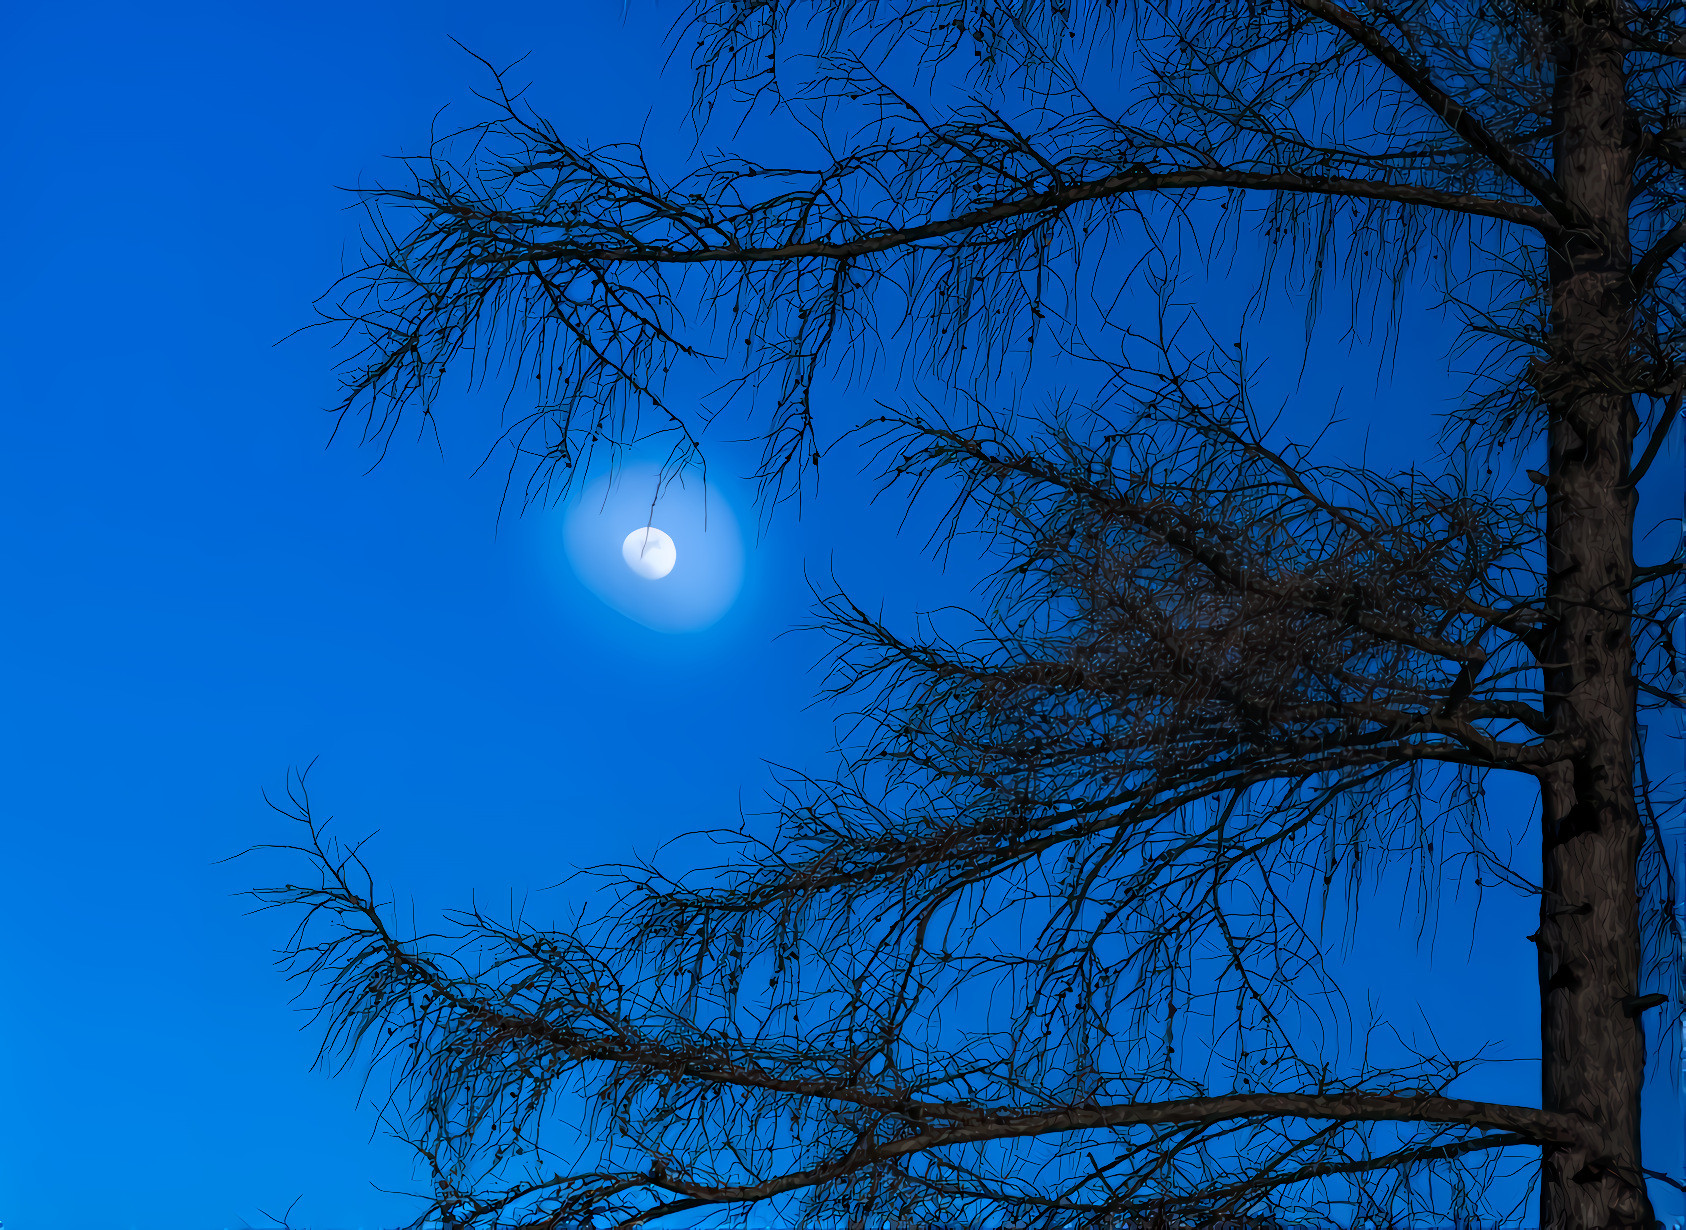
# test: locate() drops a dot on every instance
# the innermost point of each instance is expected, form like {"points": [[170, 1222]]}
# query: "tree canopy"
{"points": [[1053, 946]]}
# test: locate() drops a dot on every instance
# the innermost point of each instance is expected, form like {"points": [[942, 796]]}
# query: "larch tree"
{"points": [[1058, 943]]}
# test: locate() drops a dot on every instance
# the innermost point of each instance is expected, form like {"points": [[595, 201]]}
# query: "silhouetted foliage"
{"points": [[1053, 947]]}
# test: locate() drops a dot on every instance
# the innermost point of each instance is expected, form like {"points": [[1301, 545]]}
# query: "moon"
{"points": [[621, 536], [649, 552]]}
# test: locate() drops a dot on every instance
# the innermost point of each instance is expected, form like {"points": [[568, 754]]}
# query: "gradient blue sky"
{"points": [[198, 595]]}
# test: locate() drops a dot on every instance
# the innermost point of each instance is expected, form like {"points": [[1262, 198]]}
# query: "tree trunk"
{"points": [[1592, 1045]]}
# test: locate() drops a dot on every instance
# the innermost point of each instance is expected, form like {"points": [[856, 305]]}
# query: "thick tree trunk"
{"points": [[1593, 1050]]}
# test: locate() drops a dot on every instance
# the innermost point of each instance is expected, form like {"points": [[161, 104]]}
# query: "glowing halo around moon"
{"points": [[662, 549], [649, 552]]}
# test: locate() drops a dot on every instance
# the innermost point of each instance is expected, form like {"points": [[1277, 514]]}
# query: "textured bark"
{"points": [[1593, 1050]]}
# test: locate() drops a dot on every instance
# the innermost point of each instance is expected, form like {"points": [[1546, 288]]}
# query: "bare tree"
{"points": [[1053, 946]]}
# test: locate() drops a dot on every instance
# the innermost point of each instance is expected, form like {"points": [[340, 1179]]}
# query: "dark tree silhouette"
{"points": [[1054, 946]]}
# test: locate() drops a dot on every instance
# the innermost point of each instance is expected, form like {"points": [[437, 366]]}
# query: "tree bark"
{"points": [[1592, 1046]]}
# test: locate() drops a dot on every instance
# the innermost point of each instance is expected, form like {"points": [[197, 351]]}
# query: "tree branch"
{"points": [[1321, 1170], [1456, 116], [1037, 202], [1646, 269], [1520, 1125]]}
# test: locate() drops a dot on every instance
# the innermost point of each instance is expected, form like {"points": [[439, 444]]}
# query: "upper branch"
{"points": [[1524, 171], [1053, 199]]}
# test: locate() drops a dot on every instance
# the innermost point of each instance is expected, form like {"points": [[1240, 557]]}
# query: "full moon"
{"points": [[649, 552]]}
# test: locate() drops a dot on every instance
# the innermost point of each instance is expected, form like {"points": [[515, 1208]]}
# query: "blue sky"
{"points": [[199, 595]]}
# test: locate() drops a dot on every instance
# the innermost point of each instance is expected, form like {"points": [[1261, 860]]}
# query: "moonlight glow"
{"points": [[614, 548], [649, 552]]}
